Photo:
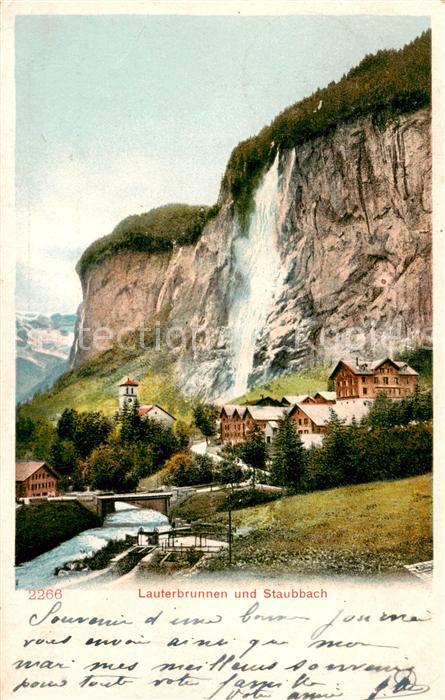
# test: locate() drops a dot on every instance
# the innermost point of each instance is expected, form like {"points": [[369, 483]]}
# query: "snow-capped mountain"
{"points": [[43, 345]]}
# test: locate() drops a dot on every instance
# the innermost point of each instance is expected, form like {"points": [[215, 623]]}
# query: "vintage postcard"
{"points": [[222, 343]]}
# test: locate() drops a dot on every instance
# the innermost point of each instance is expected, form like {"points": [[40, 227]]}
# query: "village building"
{"points": [[365, 379], [152, 410], [237, 421], [267, 401], [325, 397], [292, 400], [265, 417], [311, 419], [36, 479], [128, 392], [318, 397], [129, 396], [230, 424], [357, 385]]}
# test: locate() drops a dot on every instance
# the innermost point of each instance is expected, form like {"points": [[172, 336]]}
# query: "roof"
{"points": [[23, 470], [327, 395], [266, 413], [294, 399], [267, 401], [366, 367], [358, 408], [405, 368], [320, 413], [230, 408], [128, 381], [146, 408]]}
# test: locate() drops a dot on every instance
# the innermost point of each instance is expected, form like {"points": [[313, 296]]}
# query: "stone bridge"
{"points": [[104, 504]]}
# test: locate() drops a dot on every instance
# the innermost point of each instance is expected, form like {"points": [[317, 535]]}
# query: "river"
{"points": [[39, 572]]}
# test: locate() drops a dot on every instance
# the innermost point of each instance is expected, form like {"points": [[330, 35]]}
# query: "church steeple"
{"points": [[128, 392]]}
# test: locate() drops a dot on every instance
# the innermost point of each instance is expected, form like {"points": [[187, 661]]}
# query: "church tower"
{"points": [[128, 392]]}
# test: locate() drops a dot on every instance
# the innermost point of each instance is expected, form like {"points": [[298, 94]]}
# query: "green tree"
{"points": [[161, 439], [178, 469], [288, 456], [339, 462], [205, 416], [131, 424], [63, 456], [254, 451], [67, 424], [229, 473], [182, 433], [111, 467], [187, 469], [44, 435], [379, 414], [24, 429], [92, 429], [203, 468], [422, 405], [33, 436]]}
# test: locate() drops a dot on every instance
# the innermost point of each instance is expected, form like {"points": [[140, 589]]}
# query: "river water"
{"points": [[39, 572]]}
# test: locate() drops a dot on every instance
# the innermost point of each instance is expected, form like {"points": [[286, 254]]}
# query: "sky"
{"points": [[118, 114]]}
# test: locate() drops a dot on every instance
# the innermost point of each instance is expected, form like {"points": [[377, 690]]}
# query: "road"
{"points": [[200, 448]]}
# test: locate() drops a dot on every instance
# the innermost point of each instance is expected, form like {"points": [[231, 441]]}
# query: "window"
{"points": [[385, 380], [306, 421], [299, 421], [364, 380], [376, 380], [365, 390]]}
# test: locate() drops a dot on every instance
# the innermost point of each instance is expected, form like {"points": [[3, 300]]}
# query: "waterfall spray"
{"points": [[256, 267]]}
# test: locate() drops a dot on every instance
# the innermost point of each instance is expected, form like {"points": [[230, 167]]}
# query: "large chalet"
{"points": [[357, 385], [365, 379]]}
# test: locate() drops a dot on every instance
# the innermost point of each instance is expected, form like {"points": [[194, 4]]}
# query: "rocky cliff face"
{"points": [[336, 261]]}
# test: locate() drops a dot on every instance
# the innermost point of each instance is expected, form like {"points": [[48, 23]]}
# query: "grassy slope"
{"points": [[306, 381], [201, 506], [95, 388], [353, 529]]}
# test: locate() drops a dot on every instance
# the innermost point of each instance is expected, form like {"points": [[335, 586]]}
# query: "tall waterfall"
{"points": [[256, 266]]}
